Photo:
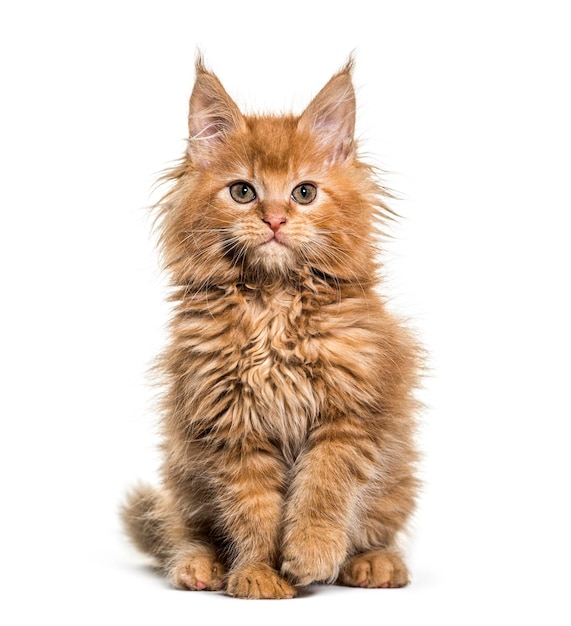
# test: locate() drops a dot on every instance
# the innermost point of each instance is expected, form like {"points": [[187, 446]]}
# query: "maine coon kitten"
{"points": [[288, 411]]}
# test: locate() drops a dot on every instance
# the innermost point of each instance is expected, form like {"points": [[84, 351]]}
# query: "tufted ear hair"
{"points": [[212, 114], [330, 117]]}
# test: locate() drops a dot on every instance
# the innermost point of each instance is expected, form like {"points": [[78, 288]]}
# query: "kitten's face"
{"points": [[277, 209], [274, 219], [274, 194]]}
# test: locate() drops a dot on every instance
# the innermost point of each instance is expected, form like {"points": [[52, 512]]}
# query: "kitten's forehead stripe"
{"points": [[275, 154], [273, 143]]}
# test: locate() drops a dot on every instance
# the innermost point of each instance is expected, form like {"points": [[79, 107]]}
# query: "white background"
{"points": [[467, 106]]}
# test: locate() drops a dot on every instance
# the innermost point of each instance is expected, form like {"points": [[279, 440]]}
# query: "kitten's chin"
{"points": [[274, 257]]}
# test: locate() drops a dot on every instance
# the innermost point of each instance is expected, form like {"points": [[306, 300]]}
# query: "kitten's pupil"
{"points": [[242, 192]]}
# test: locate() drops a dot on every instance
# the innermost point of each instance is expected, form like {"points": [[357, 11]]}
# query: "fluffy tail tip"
{"points": [[143, 522]]}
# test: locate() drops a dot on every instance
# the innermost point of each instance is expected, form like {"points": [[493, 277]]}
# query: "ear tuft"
{"points": [[330, 117], [212, 116]]}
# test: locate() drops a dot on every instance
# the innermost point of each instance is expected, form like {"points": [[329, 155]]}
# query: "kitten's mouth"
{"points": [[275, 240], [275, 252]]}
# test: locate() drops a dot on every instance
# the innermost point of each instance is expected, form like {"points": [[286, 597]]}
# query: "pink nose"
{"points": [[274, 221]]}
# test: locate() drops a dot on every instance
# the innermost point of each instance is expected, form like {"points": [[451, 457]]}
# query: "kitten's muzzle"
{"points": [[275, 222]]}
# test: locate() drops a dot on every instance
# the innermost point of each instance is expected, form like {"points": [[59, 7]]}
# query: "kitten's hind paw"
{"points": [[197, 572], [258, 581], [375, 569]]}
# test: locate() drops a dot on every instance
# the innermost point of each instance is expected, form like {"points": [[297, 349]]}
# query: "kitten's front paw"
{"points": [[375, 569], [313, 555], [258, 581]]}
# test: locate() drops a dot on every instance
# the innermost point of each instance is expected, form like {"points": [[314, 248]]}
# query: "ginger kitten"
{"points": [[288, 412]]}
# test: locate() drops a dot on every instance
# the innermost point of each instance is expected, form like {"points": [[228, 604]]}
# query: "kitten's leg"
{"points": [[157, 527], [250, 488], [193, 561], [374, 569], [379, 564], [323, 502]]}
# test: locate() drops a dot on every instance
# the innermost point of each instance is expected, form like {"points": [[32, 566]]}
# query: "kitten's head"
{"points": [[271, 196]]}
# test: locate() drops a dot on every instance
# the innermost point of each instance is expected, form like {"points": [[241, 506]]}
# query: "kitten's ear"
{"points": [[212, 114], [330, 117]]}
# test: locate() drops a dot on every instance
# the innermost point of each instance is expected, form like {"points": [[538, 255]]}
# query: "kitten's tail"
{"points": [[145, 521]]}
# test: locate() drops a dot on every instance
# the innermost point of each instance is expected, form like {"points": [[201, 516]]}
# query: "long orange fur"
{"points": [[288, 413]]}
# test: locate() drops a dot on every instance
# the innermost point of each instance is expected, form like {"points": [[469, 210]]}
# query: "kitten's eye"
{"points": [[304, 193], [242, 192]]}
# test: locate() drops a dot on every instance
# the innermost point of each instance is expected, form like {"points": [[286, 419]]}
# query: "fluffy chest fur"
{"points": [[275, 392], [260, 366]]}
